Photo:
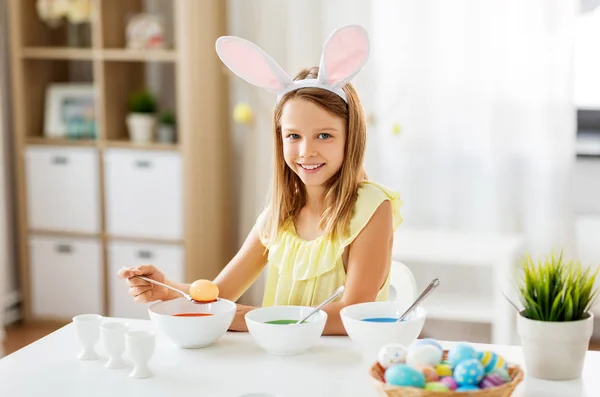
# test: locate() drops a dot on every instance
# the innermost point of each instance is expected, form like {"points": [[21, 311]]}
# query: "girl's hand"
{"points": [[239, 322], [143, 291]]}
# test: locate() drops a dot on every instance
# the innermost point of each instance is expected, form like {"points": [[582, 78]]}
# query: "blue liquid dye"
{"points": [[381, 320]]}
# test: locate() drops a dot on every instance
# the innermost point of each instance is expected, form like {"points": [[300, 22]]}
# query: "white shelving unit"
{"points": [[498, 253]]}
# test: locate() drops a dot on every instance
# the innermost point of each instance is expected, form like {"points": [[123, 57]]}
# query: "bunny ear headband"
{"points": [[344, 54]]}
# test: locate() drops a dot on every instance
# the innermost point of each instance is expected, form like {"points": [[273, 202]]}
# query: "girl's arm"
{"points": [[239, 274], [369, 260]]}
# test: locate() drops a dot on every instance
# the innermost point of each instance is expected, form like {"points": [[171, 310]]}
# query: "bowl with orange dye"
{"points": [[192, 325]]}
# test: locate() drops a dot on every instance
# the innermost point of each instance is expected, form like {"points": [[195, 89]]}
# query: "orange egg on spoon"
{"points": [[204, 291]]}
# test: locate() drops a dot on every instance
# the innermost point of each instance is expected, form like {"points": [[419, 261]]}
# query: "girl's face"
{"points": [[313, 141]]}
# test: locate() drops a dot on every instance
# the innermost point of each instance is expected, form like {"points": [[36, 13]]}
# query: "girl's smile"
{"points": [[311, 168]]}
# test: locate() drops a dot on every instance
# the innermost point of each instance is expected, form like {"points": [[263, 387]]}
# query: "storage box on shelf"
{"points": [[66, 276], [170, 258], [143, 194], [87, 208], [63, 189]]}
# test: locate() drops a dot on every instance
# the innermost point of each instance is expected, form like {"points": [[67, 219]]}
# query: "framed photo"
{"points": [[70, 111]]}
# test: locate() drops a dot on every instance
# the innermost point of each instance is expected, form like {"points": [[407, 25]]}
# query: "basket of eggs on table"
{"points": [[425, 369]]}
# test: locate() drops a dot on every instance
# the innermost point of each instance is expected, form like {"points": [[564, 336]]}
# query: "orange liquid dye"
{"points": [[192, 314]]}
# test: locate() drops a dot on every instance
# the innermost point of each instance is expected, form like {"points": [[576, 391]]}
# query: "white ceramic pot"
{"points": [[141, 127], [555, 350], [165, 134]]}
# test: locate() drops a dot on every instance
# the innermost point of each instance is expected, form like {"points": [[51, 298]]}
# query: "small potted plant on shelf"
{"points": [[166, 128], [141, 119], [555, 324]]}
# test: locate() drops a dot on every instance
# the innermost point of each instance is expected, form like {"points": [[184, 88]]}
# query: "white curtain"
{"points": [[480, 93]]}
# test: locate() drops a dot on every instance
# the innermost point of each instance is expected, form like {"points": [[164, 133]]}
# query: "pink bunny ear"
{"points": [[344, 54], [251, 63]]}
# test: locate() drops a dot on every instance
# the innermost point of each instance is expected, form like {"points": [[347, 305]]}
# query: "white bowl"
{"points": [[281, 339], [192, 332], [369, 337]]}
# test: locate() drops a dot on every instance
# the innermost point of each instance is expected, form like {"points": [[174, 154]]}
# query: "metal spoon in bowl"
{"points": [[337, 293], [186, 296], [432, 285]]}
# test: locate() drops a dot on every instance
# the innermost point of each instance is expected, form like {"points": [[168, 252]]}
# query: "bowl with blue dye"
{"points": [[372, 325]]}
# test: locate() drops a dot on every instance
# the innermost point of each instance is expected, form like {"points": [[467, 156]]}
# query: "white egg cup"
{"points": [[140, 346], [113, 338], [87, 329]]}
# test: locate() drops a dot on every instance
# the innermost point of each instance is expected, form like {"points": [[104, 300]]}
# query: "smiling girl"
{"points": [[325, 224]]}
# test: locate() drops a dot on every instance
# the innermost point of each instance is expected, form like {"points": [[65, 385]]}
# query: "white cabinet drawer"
{"points": [[66, 276], [585, 186], [168, 258], [63, 189], [587, 237], [143, 194]]}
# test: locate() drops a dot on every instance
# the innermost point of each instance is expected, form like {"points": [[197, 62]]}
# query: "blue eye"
{"points": [[324, 135], [293, 136]]}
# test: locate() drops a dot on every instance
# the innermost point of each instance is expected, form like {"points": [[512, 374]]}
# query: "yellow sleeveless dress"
{"points": [[306, 272]]}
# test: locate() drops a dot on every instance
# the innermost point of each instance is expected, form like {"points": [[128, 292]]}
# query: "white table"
{"points": [[231, 367]]}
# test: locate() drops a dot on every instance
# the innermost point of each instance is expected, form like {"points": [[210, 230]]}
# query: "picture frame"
{"points": [[70, 111]]}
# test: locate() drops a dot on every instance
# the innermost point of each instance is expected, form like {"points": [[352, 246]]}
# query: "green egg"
{"points": [[436, 386]]}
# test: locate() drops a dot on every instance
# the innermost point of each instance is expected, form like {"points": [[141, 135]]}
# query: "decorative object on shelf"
{"points": [[556, 323], [166, 128], [145, 31], [242, 113], [70, 111], [141, 119], [77, 13]]}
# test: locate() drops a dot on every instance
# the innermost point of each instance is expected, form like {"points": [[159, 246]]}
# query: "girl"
{"points": [[325, 225]]}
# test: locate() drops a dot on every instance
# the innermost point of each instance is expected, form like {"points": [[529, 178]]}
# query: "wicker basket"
{"points": [[377, 375]]}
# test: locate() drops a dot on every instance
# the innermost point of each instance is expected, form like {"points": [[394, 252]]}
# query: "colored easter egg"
{"points": [[242, 113], [468, 388], [461, 352], [449, 382], [404, 375], [423, 355], [469, 372], [203, 291], [490, 381], [491, 360], [436, 386], [429, 341], [502, 372], [390, 354], [443, 370], [429, 372]]}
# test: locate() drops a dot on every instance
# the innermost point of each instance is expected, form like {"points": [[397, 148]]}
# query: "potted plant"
{"points": [[166, 128], [141, 119], [555, 324]]}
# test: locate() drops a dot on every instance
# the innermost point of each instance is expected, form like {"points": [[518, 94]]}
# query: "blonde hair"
{"points": [[288, 195]]}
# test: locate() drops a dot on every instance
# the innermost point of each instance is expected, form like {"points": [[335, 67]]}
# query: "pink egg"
{"points": [[430, 373], [450, 382], [490, 381]]}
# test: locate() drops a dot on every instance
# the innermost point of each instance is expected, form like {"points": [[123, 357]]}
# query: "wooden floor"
{"points": [[20, 335]]}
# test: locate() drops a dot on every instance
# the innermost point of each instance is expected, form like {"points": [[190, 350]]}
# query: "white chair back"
{"points": [[403, 288]]}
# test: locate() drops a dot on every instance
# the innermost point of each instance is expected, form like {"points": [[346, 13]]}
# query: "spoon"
{"points": [[186, 296], [337, 293], [432, 285]]}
